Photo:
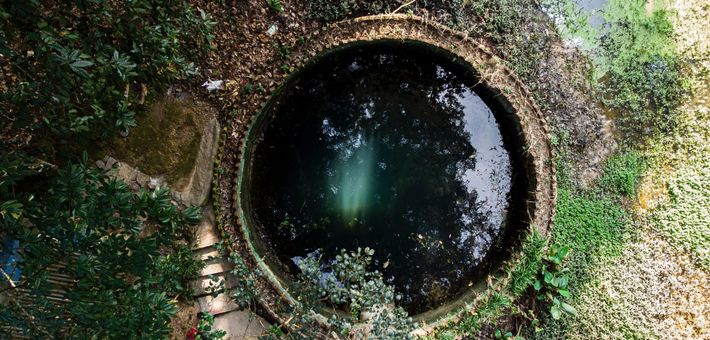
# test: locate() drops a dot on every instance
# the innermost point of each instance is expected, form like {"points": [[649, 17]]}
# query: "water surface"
{"points": [[394, 148]]}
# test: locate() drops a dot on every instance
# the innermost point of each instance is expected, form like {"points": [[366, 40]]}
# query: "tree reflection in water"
{"points": [[388, 148]]}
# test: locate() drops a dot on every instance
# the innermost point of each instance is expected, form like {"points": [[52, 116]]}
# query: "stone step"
{"points": [[209, 253], [217, 305], [207, 236], [216, 268], [206, 233], [201, 286], [241, 325]]}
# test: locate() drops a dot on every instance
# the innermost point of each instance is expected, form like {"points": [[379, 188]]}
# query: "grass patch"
{"points": [[685, 219], [593, 222], [490, 309], [524, 273], [591, 225], [622, 173], [596, 225]]}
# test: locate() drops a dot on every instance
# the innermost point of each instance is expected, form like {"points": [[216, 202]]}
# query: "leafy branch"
{"points": [[552, 284]]}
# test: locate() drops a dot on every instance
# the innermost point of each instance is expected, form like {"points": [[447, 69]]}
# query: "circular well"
{"points": [[395, 146]]}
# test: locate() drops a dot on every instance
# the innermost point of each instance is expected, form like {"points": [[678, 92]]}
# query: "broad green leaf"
{"points": [[548, 277], [568, 308], [563, 281], [556, 313], [81, 63]]}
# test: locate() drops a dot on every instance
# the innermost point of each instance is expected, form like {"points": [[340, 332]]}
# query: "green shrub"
{"points": [[276, 5], [552, 283], [345, 281], [499, 334], [205, 331], [178, 269], [80, 66], [93, 226]]}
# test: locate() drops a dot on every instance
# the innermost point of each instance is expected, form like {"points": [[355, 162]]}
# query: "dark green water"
{"points": [[389, 146]]}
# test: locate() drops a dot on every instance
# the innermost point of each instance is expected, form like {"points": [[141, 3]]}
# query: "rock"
{"points": [[272, 30], [100, 164], [154, 183], [126, 172], [177, 195], [109, 161], [199, 188], [142, 179], [213, 85]]}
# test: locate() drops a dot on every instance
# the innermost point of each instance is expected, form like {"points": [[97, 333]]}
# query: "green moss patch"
{"points": [[165, 141]]}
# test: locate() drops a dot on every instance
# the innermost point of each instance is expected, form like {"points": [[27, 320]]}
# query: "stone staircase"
{"points": [[238, 323]]}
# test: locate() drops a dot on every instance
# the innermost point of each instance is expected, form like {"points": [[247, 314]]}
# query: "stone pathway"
{"points": [[239, 324]]}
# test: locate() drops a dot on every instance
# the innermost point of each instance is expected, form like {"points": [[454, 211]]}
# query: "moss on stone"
{"points": [[165, 141]]}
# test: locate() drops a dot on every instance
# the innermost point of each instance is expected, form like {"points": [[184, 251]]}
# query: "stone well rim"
{"points": [[494, 74]]}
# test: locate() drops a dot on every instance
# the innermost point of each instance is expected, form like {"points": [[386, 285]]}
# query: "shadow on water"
{"points": [[396, 148]]}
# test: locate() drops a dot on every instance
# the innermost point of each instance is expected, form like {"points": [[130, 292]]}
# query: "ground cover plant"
{"points": [[645, 73], [636, 66]]}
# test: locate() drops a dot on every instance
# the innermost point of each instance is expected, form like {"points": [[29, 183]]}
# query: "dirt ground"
{"points": [[185, 319]]}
